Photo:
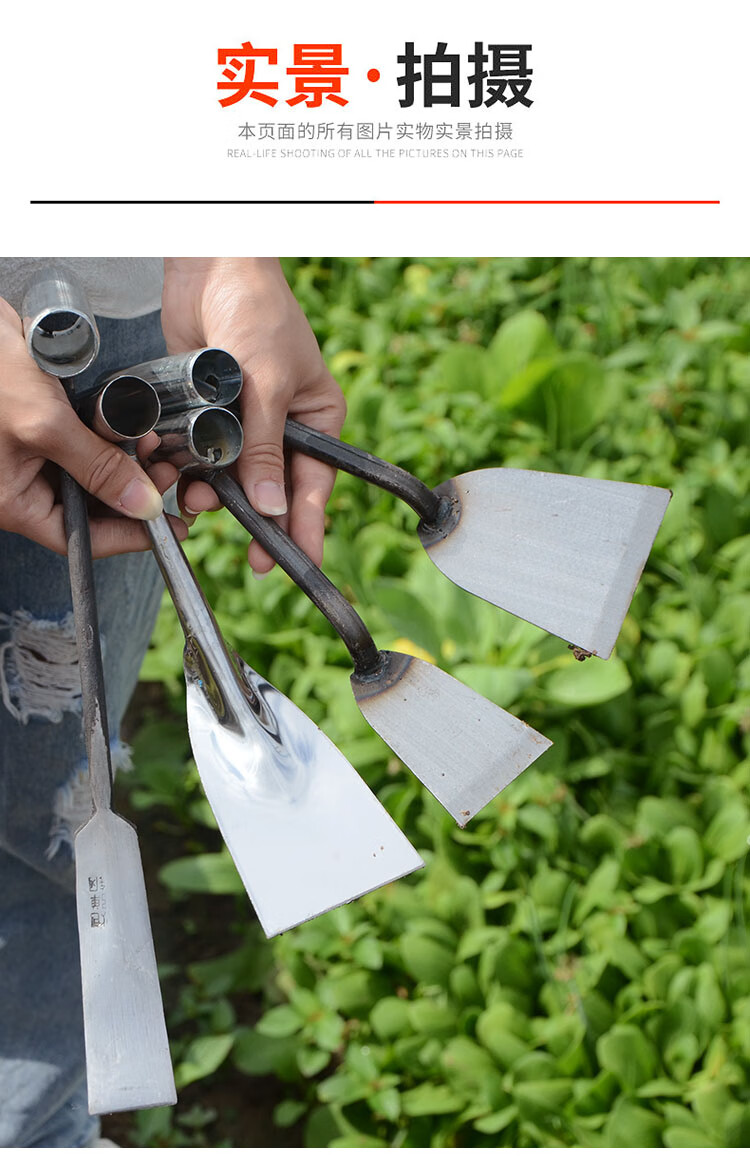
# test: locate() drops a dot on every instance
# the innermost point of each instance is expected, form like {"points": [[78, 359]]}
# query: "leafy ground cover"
{"points": [[573, 968]]}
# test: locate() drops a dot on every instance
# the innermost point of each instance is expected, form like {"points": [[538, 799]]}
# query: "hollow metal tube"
{"points": [[205, 437], [196, 379], [58, 323], [126, 407]]}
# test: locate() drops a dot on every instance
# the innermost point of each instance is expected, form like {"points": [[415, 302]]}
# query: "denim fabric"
{"points": [[43, 798]]}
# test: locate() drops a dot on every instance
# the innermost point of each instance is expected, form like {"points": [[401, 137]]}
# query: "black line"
{"points": [[220, 201]]}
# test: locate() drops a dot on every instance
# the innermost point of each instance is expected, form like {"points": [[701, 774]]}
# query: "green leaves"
{"points": [[203, 874], [425, 959], [627, 1053], [204, 1055], [589, 682], [571, 970]]}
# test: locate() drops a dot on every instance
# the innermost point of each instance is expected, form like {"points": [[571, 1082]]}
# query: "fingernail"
{"points": [[141, 501], [190, 511], [258, 575], [269, 498]]}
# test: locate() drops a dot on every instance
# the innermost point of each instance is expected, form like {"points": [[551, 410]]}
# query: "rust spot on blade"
{"points": [[581, 654]]}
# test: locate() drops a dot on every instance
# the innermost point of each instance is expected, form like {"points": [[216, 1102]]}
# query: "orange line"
{"points": [[550, 201]]}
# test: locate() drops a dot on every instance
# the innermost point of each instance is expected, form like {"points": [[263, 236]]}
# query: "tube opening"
{"points": [[216, 437], [217, 376], [63, 340], [130, 406]]}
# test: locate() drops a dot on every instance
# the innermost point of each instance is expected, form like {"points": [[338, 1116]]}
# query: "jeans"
{"points": [[44, 797]]}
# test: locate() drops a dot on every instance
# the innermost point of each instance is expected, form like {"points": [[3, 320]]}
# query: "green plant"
{"points": [[572, 969]]}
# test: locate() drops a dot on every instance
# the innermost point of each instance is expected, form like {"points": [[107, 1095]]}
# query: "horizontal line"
{"points": [[198, 201], [553, 201], [390, 201]]}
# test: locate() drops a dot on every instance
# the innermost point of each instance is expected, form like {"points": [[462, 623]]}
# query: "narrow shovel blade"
{"points": [[560, 551], [461, 746], [305, 832], [127, 1052]]}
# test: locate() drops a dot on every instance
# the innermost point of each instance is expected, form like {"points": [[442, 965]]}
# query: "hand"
{"points": [[245, 306], [39, 428]]}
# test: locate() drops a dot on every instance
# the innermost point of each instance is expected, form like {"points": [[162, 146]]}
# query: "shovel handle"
{"points": [[90, 667], [298, 565], [354, 461]]}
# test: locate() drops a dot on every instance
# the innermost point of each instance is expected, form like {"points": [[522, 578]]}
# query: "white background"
{"points": [[637, 100]]}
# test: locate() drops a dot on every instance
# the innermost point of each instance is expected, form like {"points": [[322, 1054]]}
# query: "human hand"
{"points": [[39, 428], [245, 306]]}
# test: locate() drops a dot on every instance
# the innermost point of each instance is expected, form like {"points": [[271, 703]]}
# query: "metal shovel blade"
{"points": [[127, 1051], [563, 552], [304, 830], [462, 747]]}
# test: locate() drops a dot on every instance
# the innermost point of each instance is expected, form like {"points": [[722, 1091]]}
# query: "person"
{"points": [[245, 306]]}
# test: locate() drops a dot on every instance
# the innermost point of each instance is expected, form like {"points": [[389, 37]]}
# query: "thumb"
{"points": [[103, 469]]}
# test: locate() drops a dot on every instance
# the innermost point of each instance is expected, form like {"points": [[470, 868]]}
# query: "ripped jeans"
{"points": [[44, 798]]}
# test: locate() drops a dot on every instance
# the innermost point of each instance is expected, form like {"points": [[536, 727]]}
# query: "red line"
{"points": [[551, 201]]}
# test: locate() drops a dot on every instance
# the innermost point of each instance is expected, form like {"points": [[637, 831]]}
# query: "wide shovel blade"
{"points": [[127, 1051], [305, 832], [462, 747], [303, 829], [563, 552]]}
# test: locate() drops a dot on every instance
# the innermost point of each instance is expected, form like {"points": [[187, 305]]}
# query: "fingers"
{"points": [[261, 465], [312, 482], [112, 537], [40, 518], [102, 468], [195, 496]]}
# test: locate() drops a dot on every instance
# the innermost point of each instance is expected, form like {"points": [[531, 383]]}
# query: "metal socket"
{"points": [[126, 407], [200, 438], [210, 376], [59, 325]]}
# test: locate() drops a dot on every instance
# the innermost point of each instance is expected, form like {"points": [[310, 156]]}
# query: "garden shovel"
{"points": [[128, 1063], [462, 747], [305, 832], [563, 552], [127, 1053]]}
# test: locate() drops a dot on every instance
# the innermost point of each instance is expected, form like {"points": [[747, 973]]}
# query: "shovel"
{"points": [[127, 1052], [305, 832], [563, 552], [462, 747]]}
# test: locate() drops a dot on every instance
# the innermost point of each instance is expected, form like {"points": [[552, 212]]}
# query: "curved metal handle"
{"points": [[298, 565], [360, 463]]}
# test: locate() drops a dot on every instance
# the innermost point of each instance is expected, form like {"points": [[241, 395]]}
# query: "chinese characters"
{"points": [[317, 71], [97, 900], [506, 80], [491, 74]]}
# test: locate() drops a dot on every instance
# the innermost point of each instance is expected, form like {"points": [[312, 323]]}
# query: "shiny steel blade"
{"points": [[127, 1053], [305, 832], [462, 747], [561, 551]]}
